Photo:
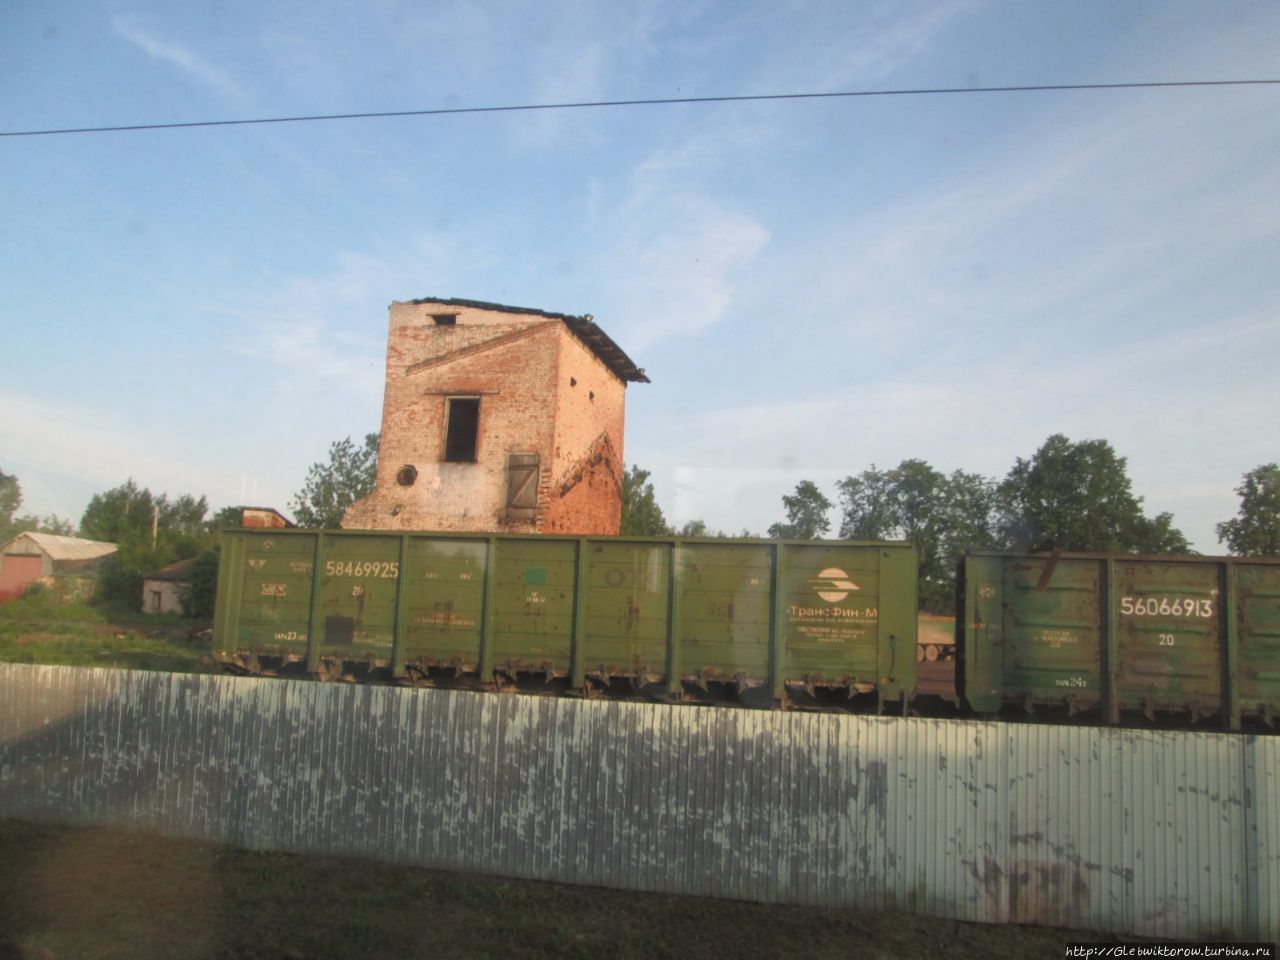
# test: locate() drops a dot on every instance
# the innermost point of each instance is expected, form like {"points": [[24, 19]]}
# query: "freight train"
{"points": [[1112, 635], [809, 624]]}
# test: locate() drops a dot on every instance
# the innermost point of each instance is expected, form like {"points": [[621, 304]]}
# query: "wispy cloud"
{"points": [[174, 54], [680, 278], [583, 53], [886, 38], [319, 327], [67, 452], [1180, 457], [682, 249], [1072, 231], [567, 79], [332, 327], [675, 254]]}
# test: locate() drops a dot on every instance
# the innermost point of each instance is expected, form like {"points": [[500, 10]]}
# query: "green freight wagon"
{"points": [[675, 617], [1117, 633]]}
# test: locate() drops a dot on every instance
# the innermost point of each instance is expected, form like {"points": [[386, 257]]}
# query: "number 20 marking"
{"points": [[1166, 639]]}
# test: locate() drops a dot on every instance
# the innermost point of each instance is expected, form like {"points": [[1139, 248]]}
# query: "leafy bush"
{"points": [[198, 600], [120, 584]]}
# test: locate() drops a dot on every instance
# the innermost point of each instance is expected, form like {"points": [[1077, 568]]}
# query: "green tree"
{"points": [[1077, 496], [10, 500], [124, 516], [699, 528], [350, 473], [1159, 535], [971, 515], [942, 515], [807, 510], [50, 523], [869, 507], [641, 515], [202, 591], [121, 514], [120, 582], [224, 518], [11, 524], [184, 517], [1255, 531]]}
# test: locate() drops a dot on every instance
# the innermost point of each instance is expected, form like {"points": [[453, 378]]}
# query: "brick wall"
{"points": [[540, 390], [587, 454]]}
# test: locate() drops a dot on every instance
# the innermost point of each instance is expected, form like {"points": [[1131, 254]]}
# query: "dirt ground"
{"points": [[96, 893], [937, 678]]}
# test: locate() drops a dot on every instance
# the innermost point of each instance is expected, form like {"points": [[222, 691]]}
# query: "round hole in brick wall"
{"points": [[573, 381], [591, 394], [408, 473]]}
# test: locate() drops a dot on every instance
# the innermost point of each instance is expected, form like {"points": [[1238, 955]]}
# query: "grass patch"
{"points": [[41, 629], [91, 892]]}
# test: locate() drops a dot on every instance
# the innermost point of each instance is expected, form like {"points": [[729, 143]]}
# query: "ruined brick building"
{"points": [[498, 418]]}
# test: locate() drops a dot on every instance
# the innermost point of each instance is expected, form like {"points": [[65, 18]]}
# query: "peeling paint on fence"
{"points": [[1157, 833]]}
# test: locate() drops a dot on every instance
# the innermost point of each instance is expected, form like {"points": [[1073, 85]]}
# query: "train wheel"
{"points": [[931, 652]]}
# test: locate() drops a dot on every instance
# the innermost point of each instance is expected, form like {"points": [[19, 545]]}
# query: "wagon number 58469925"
{"points": [[361, 568], [1166, 607]]}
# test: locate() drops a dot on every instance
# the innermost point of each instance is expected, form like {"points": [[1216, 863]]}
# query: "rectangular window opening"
{"points": [[445, 319], [460, 435]]}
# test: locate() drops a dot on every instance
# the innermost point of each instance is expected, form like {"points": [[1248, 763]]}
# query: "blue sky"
{"points": [[813, 286]]}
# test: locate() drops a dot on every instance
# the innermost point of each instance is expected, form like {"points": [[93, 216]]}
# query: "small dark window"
{"points": [[445, 319], [408, 473], [460, 436]]}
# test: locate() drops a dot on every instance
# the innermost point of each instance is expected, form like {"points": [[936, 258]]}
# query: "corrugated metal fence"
{"points": [[1165, 834]]}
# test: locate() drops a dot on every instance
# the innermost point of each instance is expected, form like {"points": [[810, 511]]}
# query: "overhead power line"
{"points": [[651, 102]]}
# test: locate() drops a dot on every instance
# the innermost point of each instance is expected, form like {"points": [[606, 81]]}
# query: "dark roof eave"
{"points": [[179, 572], [584, 328], [602, 345]]}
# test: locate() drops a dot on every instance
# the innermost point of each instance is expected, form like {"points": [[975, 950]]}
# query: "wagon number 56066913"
{"points": [[1166, 607]]}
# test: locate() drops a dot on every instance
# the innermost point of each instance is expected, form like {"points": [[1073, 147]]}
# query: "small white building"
{"points": [[30, 556], [164, 589]]}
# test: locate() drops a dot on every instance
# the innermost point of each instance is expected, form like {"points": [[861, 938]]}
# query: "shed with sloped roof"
{"points": [[164, 590], [32, 555]]}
